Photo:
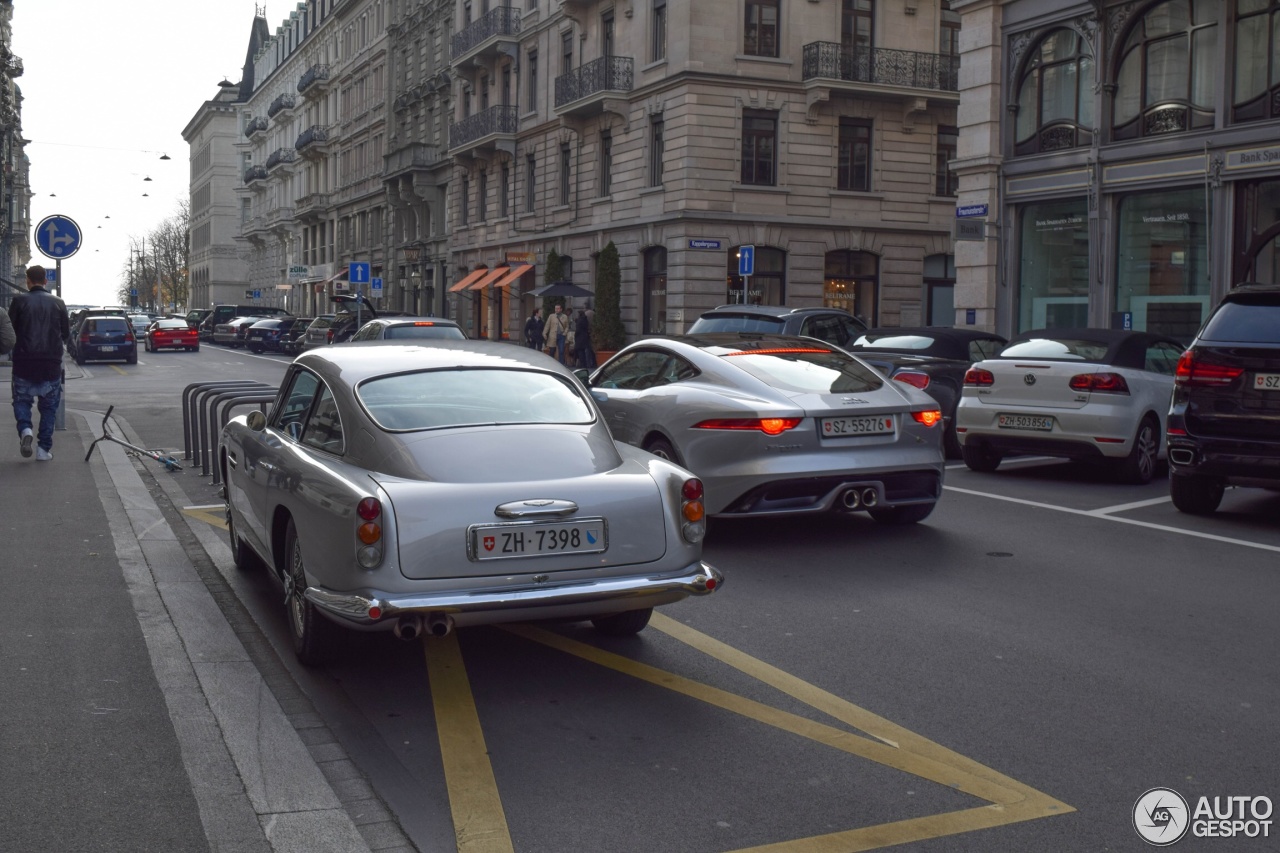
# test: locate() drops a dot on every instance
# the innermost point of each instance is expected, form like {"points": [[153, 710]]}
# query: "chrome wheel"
{"points": [[1139, 467]]}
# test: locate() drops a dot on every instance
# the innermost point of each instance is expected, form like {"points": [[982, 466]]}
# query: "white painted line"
{"points": [[1134, 505], [206, 506], [1094, 514], [1016, 460]]}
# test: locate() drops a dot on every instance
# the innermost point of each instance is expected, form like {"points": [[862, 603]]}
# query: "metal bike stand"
{"points": [[189, 413]]}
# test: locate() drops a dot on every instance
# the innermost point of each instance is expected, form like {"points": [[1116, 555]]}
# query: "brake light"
{"points": [[912, 378], [928, 417], [1102, 383], [369, 534], [768, 426], [329, 336], [694, 512], [369, 509], [692, 490], [1193, 371], [424, 323], [780, 351], [979, 377]]}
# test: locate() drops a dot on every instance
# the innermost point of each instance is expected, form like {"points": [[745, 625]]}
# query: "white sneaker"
{"points": [[43, 455], [26, 442]]}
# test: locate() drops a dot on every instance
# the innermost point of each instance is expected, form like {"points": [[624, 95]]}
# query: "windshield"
{"points": [[1252, 321], [435, 399], [736, 323], [423, 330], [1057, 349], [806, 369]]}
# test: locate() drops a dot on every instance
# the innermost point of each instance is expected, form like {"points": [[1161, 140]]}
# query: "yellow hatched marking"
{"points": [[209, 515]]}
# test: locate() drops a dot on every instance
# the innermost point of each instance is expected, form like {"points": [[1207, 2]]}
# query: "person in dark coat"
{"points": [[42, 327], [583, 350], [533, 330]]}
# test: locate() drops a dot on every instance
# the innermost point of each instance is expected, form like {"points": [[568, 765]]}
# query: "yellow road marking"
{"points": [[118, 369], [209, 515], [479, 823]]}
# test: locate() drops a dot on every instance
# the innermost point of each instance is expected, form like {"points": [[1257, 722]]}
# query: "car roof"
{"points": [[936, 331], [410, 320], [354, 362], [1124, 348], [743, 341], [773, 310], [1253, 292]]}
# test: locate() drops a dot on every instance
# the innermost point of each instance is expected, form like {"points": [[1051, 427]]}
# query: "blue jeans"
{"points": [[24, 393], [560, 342]]}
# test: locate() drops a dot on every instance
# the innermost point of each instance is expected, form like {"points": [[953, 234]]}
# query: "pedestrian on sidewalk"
{"points": [[556, 333], [42, 326], [533, 330], [582, 340]]}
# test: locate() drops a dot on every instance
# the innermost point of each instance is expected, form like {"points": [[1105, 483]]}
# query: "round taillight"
{"points": [[369, 533], [369, 509], [692, 490], [694, 510], [375, 612]]}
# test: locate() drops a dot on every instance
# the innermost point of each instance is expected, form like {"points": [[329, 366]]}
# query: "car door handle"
{"points": [[266, 466]]}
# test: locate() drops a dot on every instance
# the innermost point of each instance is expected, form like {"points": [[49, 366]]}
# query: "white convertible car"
{"points": [[422, 486]]}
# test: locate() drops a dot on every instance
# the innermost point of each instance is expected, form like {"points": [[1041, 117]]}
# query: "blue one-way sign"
{"points": [[746, 260], [57, 237], [359, 272]]}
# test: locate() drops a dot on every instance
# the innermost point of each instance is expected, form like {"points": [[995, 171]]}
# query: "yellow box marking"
{"points": [[216, 517]]}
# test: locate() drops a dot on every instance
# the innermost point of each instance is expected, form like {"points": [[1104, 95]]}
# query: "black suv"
{"points": [[833, 325], [1224, 425]]}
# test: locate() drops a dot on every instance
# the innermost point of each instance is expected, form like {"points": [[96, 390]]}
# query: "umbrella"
{"points": [[561, 288]]}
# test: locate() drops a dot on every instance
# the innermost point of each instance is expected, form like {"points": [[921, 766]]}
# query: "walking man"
{"points": [[556, 332], [42, 326], [586, 353]]}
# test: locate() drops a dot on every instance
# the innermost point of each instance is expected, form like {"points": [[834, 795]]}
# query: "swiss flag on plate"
{"points": [[489, 542]]}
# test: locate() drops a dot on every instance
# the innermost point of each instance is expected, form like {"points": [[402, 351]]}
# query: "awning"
{"points": [[494, 274], [472, 278], [512, 274]]}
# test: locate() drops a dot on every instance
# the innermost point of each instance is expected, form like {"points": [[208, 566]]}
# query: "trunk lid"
{"points": [[1035, 383]]}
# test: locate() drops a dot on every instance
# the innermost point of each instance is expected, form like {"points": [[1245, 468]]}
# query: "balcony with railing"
{"points": [[417, 155], [493, 128], [314, 81], [253, 174], [281, 157], [255, 125], [279, 219], [313, 143], [585, 90], [889, 70], [311, 207], [282, 105], [488, 35]]}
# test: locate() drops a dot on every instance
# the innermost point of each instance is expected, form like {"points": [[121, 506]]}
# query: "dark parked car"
{"points": [[319, 332], [1224, 423], [407, 328], [196, 316], [104, 337], [353, 312], [269, 334], [294, 339], [833, 325], [172, 333], [933, 359]]}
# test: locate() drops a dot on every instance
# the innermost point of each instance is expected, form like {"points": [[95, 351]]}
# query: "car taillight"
{"points": [[369, 533], [978, 376], [912, 378], [1193, 371], [1102, 383], [692, 510], [329, 336], [768, 426], [928, 417]]}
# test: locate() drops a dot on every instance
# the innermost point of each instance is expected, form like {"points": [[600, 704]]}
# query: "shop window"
{"points": [[655, 291], [1053, 290], [768, 284], [940, 286], [1162, 279], [1166, 71], [1055, 96], [1257, 232], [851, 280]]}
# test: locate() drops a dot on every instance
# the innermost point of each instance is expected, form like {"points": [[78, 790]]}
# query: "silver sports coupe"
{"points": [[776, 425], [421, 486]]}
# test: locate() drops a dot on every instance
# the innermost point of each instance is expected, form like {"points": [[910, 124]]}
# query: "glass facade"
{"points": [[1053, 278], [851, 282], [768, 284], [1162, 273]]}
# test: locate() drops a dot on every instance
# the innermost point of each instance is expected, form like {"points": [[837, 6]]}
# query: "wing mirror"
{"points": [[584, 375], [256, 421]]}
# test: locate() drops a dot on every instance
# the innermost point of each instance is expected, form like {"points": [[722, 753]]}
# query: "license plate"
{"points": [[865, 425], [1024, 422], [504, 541], [1266, 381], [108, 349]]}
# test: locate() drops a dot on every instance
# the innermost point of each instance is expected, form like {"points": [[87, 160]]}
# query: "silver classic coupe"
{"points": [[418, 487]]}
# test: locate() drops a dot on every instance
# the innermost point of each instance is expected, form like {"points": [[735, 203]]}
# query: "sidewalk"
{"points": [[135, 719]]}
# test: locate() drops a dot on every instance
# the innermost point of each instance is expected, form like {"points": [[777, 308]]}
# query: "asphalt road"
{"points": [[1010, 675]]}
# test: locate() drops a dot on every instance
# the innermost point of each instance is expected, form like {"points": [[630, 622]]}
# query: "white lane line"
{"points": [[1126, 507], [1094, 514], [205, 506], [1016, 460]]}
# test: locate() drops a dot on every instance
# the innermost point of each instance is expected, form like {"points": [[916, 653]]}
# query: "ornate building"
{"points": [[15, 190]]}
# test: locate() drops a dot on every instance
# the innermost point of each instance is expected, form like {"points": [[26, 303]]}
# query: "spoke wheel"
{"points": [[662, 449], [625, 624], [311, 632], [1139, 467]]}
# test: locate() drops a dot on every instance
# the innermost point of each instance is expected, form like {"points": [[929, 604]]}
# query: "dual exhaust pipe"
{"points": [[865, 497], [1182, 456], [410, 626]]}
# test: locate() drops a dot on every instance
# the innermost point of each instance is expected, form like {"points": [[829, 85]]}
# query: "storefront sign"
{"points": [[971, 229], [704, 244], [519, 257], [1061, 223], [1253, 158], [297, 272]]}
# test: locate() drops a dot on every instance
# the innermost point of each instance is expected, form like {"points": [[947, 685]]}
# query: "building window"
{"points": [[530, 182], [761, 32], [566, 51], [608, 33], [606, 163], [768, 282], [949, 38], [658, 31], [1055, 96], [851, 281], [1162, 279], [759, 147], [945, 180], [854, 168], [656, 150], [565, 174], [1256, 86], [504, 190], [940, 287], [482, 196], [1053, 289], [857, 24], [533, 80], [655, 291], [1165, 82], [1257, 231], [466, 199]]}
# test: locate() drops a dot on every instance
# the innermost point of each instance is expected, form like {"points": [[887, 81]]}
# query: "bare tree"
{"points": [[158, 268]]}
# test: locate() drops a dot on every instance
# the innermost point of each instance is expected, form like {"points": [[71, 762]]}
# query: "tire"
{"points": [[951, 441], [195, 348], [902, 514], [133, 357], [981, 458], [662, 448], [1139, 467], [1196, 494], [312, 633], [625, 624], [241, 556], [256, 350], [147, 345], [79, 358]]}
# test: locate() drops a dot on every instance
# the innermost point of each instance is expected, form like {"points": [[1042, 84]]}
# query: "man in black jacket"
{"points": [[42, 326]]}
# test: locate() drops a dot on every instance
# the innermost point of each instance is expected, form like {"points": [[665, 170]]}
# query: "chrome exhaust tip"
{"points": [[1182, 456], [870, 497], [409, 626], [850, 499], [439, 625]]}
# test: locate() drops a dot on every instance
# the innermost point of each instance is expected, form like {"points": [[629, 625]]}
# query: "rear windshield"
{"points": [[321, 323], [736, 323], [436, 399], [1057, 349], [807, 370], [889, 341], [106, 324], [172, 324], [1236, 321], [414, 330]]}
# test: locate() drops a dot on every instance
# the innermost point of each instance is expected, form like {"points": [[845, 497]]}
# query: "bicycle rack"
{"points": [[189, 403], [207, 400], [220, 415]]}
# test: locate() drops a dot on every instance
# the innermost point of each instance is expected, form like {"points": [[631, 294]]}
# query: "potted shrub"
{"points": [[554, 272], [608, 334]]}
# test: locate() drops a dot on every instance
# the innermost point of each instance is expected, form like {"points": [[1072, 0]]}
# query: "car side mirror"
{"points": [[584, 375], [256, 421]]}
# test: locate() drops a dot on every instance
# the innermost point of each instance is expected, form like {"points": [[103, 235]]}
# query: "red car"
{"points": [[174, 333]]}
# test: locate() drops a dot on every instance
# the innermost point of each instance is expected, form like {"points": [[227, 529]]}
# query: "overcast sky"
{"points": [[107, 89]]}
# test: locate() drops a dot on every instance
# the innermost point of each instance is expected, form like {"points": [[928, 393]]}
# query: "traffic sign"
{"points": [[746, 260], [358, 272], [375, 287], [57, 237], [257, 294], [51, 276], [971, 210], [133, 291]]}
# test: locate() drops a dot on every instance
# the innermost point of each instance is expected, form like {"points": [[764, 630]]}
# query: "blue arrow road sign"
{"points": [[746, 260], [358, 272], [57, 237]]}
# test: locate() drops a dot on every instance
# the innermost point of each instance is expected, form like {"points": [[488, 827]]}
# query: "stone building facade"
{"points": [[15, 169]]}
